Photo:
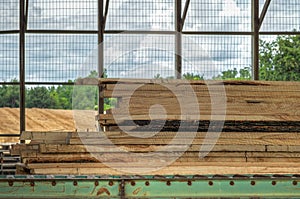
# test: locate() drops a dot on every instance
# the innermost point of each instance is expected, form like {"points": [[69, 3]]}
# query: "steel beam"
{"points": [[178, 40], [186, 8], [215, 33], [26, 14], [22, 65], [37, 31], [264, 12], [50, 83], [280, 33], [255, 39], [105, 14], [10, 135], [9, 32], [149, 186], [101, 27]]}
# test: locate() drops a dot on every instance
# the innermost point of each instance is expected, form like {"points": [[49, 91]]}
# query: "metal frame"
{"points": [[255, 39], [101, 27], [257, 20], [275, 186], [178, 39], [22, 66]]}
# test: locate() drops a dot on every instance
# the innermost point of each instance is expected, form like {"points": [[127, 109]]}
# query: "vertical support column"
{"points": [[22, 65], [178, 39], [100, 52], [255, 39]]}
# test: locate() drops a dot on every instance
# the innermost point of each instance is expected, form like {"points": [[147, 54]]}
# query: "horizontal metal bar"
{"points": [[9, 32], [153, 177], [50, 83], [216, 33], [138, 32], [149, 186], [31, 31], [9, 83], [279, 33], [10, 135], [38, 83], [149, 32], [96, 32]]}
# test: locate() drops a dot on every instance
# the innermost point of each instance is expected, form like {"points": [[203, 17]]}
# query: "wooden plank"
{"points": [[272, 154], [73, 149], [29, 135], [128, 158], [237, 168], [268, 101], [182, 164], [271, 159], [287, 111], [231, 147], [196, 82], [202, 93], [124, 154], [192, 126], [109, 118], [167, 140], [289, 148], [18, 148], [201, 135]]}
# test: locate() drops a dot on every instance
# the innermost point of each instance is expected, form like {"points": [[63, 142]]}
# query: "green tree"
{"points": [[64, 96], [9, 96], [234, 74], [85, 97], [279, 59], [40, 97]]}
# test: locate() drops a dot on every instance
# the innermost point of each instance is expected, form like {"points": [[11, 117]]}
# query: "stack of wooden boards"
{"points": [[261, 133]]}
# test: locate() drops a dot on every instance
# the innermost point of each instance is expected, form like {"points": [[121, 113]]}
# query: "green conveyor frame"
{"points": [[237, 186]]}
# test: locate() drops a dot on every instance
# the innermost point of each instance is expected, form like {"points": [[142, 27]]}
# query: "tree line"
{"points": [[59, 97], [279, 61]]}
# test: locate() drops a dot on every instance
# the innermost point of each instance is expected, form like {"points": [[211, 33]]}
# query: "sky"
{"points": [[63, 57]]}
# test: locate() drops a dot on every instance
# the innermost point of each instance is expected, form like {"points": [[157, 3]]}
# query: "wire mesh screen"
{"points": [[282, 15], [219, 15], [63, 14], [9, 15], [9, 57], [58, 58], [210, 55], [139, 56], [141, 15]]}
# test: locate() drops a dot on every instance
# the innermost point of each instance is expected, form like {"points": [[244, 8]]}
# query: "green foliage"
{"points": [[40, 97], [63, 95], [234, 74], [157, 76], [192, 76], [93, 74], [187, 76], [279, 59], [84, 97], [9, 96], [110, 103]]}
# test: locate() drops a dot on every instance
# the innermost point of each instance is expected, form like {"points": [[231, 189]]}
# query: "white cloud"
{"points": [[230, 9]]}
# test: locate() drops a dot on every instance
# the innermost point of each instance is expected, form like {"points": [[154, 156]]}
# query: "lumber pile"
{"points": [[261, 133]]}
